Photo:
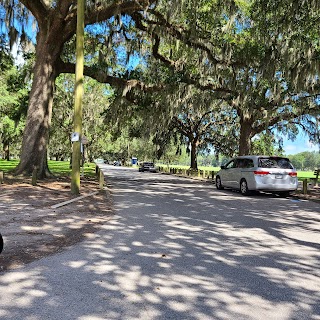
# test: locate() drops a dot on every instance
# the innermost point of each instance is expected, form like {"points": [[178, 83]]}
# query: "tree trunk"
{"points": [[36, 132], [6, 150], [246, 133], [194, 152]]}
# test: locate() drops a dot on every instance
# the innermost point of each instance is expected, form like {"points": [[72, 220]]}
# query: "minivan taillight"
{"points": [[292, 174], [261, 173]]}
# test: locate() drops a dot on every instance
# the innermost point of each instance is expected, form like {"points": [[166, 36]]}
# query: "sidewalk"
{"points": [[35, 222]]}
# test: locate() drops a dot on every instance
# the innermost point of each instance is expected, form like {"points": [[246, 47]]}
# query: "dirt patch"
{"points": [[312, 195], [33, 226]]}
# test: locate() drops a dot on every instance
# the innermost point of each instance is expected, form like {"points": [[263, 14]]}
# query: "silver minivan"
{"points": [[258, 173]]}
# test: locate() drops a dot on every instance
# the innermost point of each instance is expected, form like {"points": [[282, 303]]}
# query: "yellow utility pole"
{"points": [[76, 145]]}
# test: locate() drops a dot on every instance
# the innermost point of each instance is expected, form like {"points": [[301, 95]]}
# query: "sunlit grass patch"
{"points": [[62, 168], [57, 168], [7, 166], [305, 174]]}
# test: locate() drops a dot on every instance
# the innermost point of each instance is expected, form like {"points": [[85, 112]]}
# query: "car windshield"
{"points": [[275, 162], [148, 164]]}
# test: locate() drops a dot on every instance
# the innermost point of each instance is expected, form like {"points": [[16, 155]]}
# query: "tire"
{"points": [[218, 183], [244, 187]]}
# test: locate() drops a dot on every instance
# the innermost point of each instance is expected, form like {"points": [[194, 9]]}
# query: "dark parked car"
{"points": [[147, 166]]}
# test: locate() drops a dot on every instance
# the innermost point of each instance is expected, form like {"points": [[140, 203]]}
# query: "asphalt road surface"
{"points": [[179, 249]]}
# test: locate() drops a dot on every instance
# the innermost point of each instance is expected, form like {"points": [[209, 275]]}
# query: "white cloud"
{"points": [[300, 145]]}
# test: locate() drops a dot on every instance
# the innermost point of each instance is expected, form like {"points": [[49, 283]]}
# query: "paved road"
{"points": [[179, 249]]}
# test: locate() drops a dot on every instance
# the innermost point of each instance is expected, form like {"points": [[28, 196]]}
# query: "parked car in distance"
{"points": [[100, 160], [147, 166], [258, 173]]}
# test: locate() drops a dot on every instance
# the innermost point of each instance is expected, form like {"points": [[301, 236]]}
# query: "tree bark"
{"points": [[194, 152], [36, 132], [246, 133], [6, 150]]}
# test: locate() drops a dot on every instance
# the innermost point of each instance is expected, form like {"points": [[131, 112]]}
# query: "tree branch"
{"points": [[37, 8], [64, 6], [123, 7], [102, 77], [182, 34], [179, 125], [178, 33], [101, 13], [186, 78]]}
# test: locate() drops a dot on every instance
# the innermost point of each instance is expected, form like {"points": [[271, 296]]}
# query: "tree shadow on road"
{"points": [[214, 255]]}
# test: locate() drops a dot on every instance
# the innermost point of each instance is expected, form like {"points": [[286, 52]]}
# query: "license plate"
{"points": [[279, 176]]}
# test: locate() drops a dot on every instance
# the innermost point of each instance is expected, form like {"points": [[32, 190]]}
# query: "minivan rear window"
{"points": [[274, 162]]}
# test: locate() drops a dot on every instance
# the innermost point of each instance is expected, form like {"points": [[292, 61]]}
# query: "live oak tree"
{"points": [[198, 41], [202, 132], [270, 69], [263, 105], [290, 29], [13, 98], [199, 123], [56, 25]]}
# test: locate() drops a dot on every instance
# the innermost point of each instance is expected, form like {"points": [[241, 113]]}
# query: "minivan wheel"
{"points": [[244, 187], [218, 183]]}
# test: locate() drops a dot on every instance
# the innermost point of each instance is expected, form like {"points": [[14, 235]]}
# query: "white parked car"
{"points": [[258, 173]]}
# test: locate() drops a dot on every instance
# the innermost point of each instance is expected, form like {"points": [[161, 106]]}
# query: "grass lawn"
{"points": [[301, 174], [7, 166], [58, 168], [305, 175]]}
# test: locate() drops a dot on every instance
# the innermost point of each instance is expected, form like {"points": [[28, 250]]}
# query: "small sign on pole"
{"points": [[75, 137]]}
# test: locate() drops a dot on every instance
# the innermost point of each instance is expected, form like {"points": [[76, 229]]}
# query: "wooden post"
{"points": [[305, 186], [34, 176], [97, 171], [1, 177], [317, 173], [101, 179]]}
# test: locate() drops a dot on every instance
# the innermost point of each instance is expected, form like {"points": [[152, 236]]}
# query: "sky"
{"points": [[301, 144]]}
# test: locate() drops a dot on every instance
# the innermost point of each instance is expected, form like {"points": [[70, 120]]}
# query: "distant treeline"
{"points": [[306, 161]]}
